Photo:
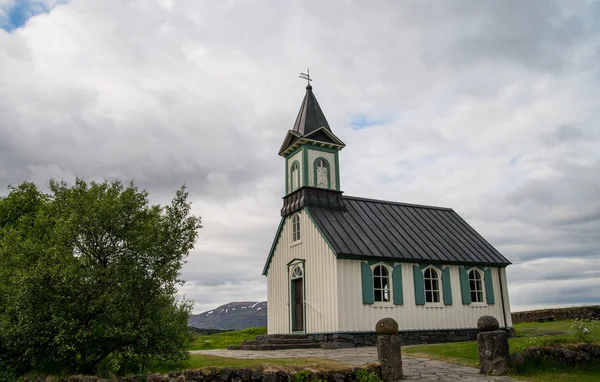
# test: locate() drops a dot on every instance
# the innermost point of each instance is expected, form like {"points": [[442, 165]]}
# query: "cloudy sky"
{"points": [[491, 108]]}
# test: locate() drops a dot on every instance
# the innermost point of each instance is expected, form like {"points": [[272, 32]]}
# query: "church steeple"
{"points": [[310, 149], [310, 117]]}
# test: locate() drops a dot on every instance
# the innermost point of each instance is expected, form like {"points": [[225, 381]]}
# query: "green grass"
{"points": [[527, 335], [197, 361], [222, 340]]}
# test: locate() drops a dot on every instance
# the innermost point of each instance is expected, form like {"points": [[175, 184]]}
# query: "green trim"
{"points": [[287, 179], [291, 296], [388, 263], [272, 251], [319, 230], [315, 172], [304, 166], [424, 265], [419, 282], [397, 285], [366, 275], [447, 287], [489, 286], [293, 303], [465, 288], [337, 171]]}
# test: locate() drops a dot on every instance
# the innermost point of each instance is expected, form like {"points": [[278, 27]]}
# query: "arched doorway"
{"points": [[297, 297]]}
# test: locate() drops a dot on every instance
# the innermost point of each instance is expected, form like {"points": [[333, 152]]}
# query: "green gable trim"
{"points": [[397, 285], [419, 285], [489, 286], [315, 172], [465, 289], [319, 230], [367, 283], [272, 251], [446, 286]]}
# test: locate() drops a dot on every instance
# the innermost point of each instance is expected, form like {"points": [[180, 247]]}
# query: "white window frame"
{"points": [[296, 229], [389, 285], [293, 275], [439, 290], [294, 176], [482, 287]]}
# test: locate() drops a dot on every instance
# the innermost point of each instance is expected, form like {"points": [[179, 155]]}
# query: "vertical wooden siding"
{"points": [[356, 316], [319, 277]]}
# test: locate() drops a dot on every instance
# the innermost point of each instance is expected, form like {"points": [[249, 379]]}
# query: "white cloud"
{"points": [[489, 108]]}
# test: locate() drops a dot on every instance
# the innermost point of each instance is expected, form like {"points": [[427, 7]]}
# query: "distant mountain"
{"points": [[235, 315]]}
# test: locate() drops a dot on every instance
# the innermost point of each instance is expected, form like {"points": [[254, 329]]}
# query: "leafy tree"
{"points": [[88, 278]]}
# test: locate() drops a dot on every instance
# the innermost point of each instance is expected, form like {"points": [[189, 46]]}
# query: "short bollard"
{"points": [[388, 350], [494, 354]]}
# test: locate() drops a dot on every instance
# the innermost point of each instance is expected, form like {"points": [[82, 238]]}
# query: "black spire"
{"points": [[310, 117]]}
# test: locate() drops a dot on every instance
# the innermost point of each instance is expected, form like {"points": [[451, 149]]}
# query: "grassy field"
{"points": [[222, 340], [527, 335]]}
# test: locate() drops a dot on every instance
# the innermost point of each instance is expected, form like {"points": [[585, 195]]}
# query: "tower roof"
{"points": [[311, 126], [310, 117]]}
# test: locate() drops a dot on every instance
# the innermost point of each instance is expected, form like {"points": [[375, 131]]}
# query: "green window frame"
{"points": [[315, 174]]}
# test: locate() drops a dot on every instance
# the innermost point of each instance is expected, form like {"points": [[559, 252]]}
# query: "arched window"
{"points": [[475, 286], [381, 283], [295, 174], [322, 173], [432, 286], [297, 272], [296, 227]]}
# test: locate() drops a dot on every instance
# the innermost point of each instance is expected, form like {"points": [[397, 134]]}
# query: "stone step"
{"points": [[277, 341], [281, 336], [275, 347]]}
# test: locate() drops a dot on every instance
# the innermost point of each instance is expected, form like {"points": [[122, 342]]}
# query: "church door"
{"points": [[297, 297]]}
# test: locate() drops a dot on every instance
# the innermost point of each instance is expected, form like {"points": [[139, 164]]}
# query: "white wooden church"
{"points": [[340, 263]]}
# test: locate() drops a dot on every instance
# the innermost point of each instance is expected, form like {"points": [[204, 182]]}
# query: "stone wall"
{"points": [[227, 375], [580, 312], [413, 337], [565, 354]]}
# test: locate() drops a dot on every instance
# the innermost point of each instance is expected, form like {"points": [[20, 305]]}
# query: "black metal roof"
{"points": [[310, 117], [379, 229]]}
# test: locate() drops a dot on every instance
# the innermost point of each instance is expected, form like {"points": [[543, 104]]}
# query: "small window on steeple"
{"points": [[295, 174], [322, 173]]}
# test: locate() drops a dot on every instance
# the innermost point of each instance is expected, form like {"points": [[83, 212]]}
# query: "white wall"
{"points": [[314, 154], [354, 316], [320, 274]]}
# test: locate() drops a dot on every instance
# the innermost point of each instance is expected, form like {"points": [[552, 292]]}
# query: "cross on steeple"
{"points": [[306, 76]]}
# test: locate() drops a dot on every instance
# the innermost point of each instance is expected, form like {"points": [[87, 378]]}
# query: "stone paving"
{"points": [[415, 369]]}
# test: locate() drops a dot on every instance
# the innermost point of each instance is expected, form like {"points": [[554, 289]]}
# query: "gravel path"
{"points": [[415, 369]]}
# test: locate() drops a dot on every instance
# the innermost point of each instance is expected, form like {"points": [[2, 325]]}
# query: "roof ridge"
{"points": [[396, 203]]}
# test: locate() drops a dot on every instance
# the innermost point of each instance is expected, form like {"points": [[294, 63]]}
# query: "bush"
{"points": [[88, 278]]}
